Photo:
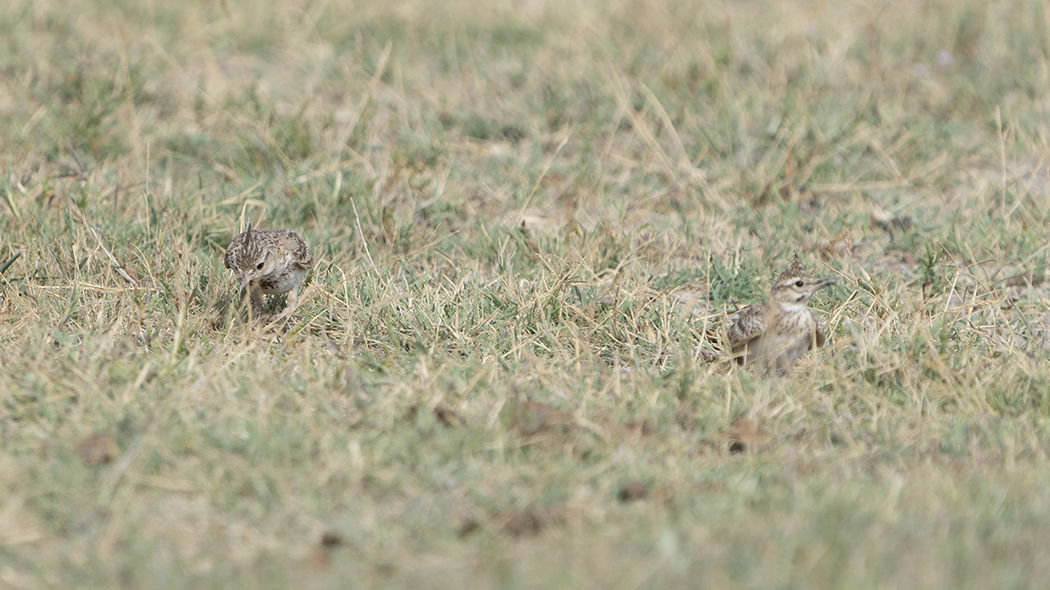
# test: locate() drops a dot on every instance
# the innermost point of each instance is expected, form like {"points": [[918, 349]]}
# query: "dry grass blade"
{"points": [[116, 263]]}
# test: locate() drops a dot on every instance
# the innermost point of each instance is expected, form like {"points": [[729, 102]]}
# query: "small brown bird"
{"points": [[270, 263], [775, 334]]}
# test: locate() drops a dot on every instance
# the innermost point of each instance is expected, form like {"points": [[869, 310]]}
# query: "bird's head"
{"points": [[796, 285]]}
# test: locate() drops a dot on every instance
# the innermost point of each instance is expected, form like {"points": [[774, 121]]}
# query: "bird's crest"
{"points": [[794, 270]]}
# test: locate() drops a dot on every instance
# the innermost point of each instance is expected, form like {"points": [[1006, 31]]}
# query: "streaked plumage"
{"points": [[270, 263], [776, 333]]}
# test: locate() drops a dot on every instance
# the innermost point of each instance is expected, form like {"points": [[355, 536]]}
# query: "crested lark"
{"points": [[776, 333], [271, 263]]}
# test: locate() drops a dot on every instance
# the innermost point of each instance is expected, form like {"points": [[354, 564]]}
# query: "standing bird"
{"points": [[775, 334], [270, 263]]}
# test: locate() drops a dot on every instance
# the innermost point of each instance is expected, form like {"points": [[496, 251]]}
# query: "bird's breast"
{"points": [[283, 281]]}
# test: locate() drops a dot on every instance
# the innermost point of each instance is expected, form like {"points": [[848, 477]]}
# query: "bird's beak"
{"points": [[826, 282], [244, 280]]}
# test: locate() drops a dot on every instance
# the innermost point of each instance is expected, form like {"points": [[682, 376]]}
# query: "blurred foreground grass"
{"points": [[529, 221]]}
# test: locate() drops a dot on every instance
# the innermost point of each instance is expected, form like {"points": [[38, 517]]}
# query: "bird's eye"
{"points": [[797, 283], [259, 267]]}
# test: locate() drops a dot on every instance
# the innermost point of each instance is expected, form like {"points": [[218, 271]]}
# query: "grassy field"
{"points": [[530, 221]]}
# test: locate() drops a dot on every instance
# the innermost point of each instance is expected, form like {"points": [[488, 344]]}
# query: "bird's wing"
{"points": [[231, 254], [818, 331], [301, 251], [746, 325]]}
